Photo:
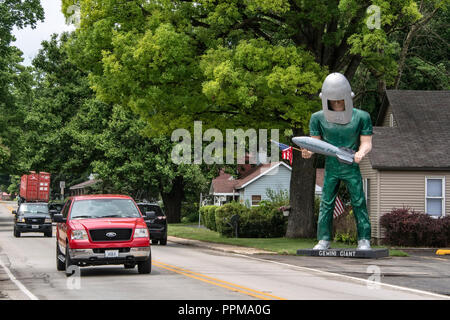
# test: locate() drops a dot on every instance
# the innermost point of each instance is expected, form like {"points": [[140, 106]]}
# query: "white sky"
{"points": [[29, 40]]}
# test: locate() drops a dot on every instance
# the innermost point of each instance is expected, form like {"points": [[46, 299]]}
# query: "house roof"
{"points": [[422, 139], [84, 184], [258, 172], [221, 185], [225, 186]]}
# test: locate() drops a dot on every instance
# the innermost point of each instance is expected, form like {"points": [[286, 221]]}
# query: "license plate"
{"points": [[34, 226], [111, 253]]}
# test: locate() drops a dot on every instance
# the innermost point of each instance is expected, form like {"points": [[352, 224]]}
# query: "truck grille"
{"points": [[101, 234], [121, 250], [34, 220]]}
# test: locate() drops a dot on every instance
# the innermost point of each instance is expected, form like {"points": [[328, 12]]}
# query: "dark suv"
{"points": [[33, 217], [156, 221]]}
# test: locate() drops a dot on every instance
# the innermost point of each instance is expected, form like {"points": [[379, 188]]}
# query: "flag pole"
{"points": [[290, 146]]}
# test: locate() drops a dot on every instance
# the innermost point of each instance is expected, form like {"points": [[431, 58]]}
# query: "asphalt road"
{"points": [[28, 271]]}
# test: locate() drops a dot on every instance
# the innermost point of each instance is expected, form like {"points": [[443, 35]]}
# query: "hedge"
{"points": [[264, 221], [208, 217], [224, 214], [406, 227]]}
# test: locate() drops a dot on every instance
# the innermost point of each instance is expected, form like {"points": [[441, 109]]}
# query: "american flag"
{"points": [[286, 151], [338, 208]]}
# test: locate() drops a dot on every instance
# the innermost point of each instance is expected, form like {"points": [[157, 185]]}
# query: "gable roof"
{"points": [[84, 184], [220, 185], [258, 172], [422, 139], [223, 186]]}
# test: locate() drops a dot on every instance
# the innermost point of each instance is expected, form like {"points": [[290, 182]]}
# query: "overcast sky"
{"points": [[29, 40]]}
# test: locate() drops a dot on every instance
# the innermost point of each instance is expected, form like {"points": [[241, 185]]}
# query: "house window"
{"points": [[435, 196], [391, 120], [256, 200]]}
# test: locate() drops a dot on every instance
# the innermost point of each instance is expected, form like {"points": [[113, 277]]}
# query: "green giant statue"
{"points": [[350, 130]]}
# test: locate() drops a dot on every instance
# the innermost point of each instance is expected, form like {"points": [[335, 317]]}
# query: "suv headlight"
{"points": [[141, 233], [79, 235]]}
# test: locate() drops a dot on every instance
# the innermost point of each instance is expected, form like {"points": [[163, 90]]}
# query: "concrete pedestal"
{"points": [[345, 253]]}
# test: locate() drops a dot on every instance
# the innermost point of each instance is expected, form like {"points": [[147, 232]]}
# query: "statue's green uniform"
{"points": [[342, 135]]}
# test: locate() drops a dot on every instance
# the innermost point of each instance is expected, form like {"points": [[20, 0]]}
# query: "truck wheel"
{"points": [[69, 268], [60, 266], [48, 234], [163, 242], [145, 267], [16, 233]]}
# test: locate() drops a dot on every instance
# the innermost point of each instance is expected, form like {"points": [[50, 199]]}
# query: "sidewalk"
{"points": [[218, 246]]}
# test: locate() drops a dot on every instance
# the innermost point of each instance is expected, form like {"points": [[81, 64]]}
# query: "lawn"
{"points": [[277, 245]]}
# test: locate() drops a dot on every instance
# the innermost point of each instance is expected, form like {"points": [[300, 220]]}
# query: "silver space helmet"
{"points": [[337, 87]]}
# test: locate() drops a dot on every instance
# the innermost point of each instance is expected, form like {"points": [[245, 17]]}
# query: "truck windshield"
{"points": [[30, 208], [104, 208]]}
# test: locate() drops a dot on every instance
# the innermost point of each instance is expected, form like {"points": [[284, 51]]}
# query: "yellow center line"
{"points": [[217, 282]]}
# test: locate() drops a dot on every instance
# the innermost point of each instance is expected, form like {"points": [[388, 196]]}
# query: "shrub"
{"points": [[207, 217], [263, 221], [278, 198], [346, 238], [344, 228], [405, 227], [189, 212], [211, 217], [223, 217]]}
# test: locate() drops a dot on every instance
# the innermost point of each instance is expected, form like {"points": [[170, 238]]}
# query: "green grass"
{"points": [[276, 245]]}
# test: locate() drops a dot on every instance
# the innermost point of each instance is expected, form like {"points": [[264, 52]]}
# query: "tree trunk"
{"points": [[403, 54], [301, 222], [172, 201]]}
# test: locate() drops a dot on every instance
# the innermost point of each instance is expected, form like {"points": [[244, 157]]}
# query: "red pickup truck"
{"points": [[101, 230]]}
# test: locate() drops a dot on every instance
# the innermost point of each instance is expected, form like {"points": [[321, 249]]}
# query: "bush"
{"points": [[207, 217], [344, 228], [346, 238], [263, 221], [224, 214], [405, 227], [189, 212]]}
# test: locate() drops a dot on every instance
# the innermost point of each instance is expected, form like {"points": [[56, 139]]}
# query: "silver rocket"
{"points": [[344, 155]]}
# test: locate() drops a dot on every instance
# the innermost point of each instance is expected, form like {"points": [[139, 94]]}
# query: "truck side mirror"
{"points": [[14, 212], [58, 218]]}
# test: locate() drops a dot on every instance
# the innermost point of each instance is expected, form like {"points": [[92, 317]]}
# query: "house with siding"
{"points": [[409, 165], [251, 188]]}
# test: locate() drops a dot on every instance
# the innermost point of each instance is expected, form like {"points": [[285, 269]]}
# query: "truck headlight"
{"points": [[21, 219], [141, 233], [48, 220], [79, 235]]}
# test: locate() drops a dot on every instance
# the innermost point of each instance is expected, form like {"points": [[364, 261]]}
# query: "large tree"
{"points": [[15, 80], [140, 166], [232, 63]]}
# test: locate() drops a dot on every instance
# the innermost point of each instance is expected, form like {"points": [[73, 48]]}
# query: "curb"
{"points": [[425, 250], [219, 246]]}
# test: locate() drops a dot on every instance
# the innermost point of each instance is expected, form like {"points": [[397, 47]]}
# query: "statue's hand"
{"points": [[359, 156], [306, 154]]}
